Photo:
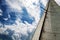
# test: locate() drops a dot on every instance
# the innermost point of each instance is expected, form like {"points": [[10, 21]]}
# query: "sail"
{"points": [[51, 28]]}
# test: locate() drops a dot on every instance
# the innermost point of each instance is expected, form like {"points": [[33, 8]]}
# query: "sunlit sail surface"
{"points": [[51, 26]]}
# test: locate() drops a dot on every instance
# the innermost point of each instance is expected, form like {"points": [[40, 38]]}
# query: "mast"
{"points": [[49, 25], [38, 31]]}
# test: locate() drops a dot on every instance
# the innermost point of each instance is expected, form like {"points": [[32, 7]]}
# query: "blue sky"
{"points": [[20, 17]]}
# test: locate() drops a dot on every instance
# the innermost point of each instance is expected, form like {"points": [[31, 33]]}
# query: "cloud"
{"points": [[30, 17], [44, 2]]}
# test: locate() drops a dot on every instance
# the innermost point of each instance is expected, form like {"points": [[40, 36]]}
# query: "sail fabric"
{"points": [[51, 28], [19, 18], [58, 2]]}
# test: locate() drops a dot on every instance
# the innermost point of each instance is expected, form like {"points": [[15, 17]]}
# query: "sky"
{"points": [[21, 17]]}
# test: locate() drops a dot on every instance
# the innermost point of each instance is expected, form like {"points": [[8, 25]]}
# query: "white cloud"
{"points": [[33, 10], [1, 12], [14, 4], [44, 2]]}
